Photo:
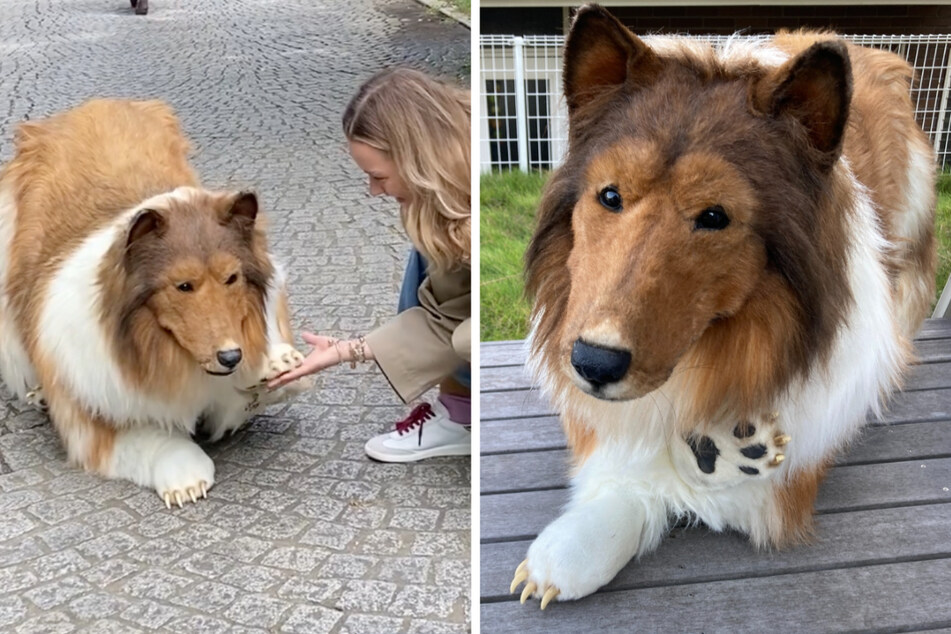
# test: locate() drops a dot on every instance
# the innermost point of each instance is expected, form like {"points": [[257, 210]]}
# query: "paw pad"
{"points": [[754, 449]]}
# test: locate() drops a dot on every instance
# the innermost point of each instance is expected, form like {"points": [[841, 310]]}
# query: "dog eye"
{"points": [[231, 280], [610, 198], [185, 287], [713, 218]]}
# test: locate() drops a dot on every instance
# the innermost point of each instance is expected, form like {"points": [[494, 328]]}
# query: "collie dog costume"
{"points": [[133, 300], [728, 270]]}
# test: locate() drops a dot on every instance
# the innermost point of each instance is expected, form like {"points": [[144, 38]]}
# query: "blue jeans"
{"points": [[409, 297]]}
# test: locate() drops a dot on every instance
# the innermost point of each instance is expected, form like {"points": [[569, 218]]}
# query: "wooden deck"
{"points": [[882, 562]]}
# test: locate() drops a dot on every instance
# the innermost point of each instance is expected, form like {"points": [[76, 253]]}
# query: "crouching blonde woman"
{"points": [[410, 134]]}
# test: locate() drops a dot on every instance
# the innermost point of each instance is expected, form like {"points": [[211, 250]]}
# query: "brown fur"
{"points": [[75, 173], [204, 249], [89, 438], [58, 168], [737, 314], [794, 499]]}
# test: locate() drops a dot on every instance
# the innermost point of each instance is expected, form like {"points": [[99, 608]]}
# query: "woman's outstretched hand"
{"points": [[322, 356]]}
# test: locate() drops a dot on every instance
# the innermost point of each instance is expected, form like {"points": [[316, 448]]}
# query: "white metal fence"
{"points": [[524, 120]]}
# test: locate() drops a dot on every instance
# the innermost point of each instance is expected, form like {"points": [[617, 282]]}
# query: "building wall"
{"points": [[857, 19], [521, 21]]}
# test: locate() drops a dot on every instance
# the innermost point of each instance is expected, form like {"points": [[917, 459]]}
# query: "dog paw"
{"points": [[750, 450], [36, 398], [183, 473], [583, 549], [531, 589], [281, 358]]}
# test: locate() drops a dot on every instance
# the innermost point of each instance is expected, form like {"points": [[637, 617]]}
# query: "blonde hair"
{"points": [[422, 125]]}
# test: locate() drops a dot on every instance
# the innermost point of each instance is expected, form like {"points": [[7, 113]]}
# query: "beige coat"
{"points": [[425, 344]]}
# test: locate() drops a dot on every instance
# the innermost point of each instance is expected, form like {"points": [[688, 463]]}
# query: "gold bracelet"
{"points": [[353, 355], [337, 348], [357, 351]]}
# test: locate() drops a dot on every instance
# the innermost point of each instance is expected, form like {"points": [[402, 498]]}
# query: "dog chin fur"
{"points": [[633, 467], [78, 317]]}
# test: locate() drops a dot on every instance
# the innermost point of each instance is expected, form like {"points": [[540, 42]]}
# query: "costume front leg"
{"points": [[599, 532], [281, 355], [167, 461]]}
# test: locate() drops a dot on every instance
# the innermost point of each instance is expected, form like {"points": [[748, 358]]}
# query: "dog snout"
{"points": [[229, 358], [599, 366]]}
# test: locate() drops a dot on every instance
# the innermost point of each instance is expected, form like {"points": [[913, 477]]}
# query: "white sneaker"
{"points": [[427, 432]]}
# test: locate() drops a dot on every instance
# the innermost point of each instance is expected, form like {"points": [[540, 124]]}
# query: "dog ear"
{"points": [[146, 222], [815, 89], [241, 210], [601, 53]]}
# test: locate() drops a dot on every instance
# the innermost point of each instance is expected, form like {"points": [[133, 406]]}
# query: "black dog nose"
{"points": [[599, 366], [229, 358]]}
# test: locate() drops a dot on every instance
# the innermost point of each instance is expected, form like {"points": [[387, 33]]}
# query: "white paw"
{"points": [[37, 399], [182, 472], [281, 358], [580, 551], [728, 455]]}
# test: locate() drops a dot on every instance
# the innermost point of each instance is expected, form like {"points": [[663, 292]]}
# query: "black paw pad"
{"points": [[705, 451], [749, 470], [744, 430], [754, 451]]}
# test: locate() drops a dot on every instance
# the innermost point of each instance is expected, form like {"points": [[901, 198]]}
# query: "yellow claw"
{"points": [[522, 566], [773, 415], [178, 498], [168, 501], [550, 594], [191, 494], [782, 440], [204, 489], [529, 590], [777, 460], [520, 576]]}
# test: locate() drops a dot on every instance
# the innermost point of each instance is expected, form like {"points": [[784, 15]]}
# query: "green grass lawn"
{"points": [[508, 202], [943, 230], [465, 6]]}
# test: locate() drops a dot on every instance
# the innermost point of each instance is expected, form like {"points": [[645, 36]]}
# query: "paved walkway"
{"points": [[302, 533]]}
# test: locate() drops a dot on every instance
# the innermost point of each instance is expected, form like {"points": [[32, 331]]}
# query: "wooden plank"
{"points": [[900, 442], [918, 406], [925, 376], [516, 353], [521, 434], [930, 347], [510, 472], [904, 406], [508, 377], [518, 404], [545, 432], [496, 353], [508, 516], [934, 329], [909, 595], [526, 471], [933, 350], [928, 376], [698, 554]]}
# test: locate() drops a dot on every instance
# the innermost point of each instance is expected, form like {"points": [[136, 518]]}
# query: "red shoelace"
{"points": [[419, 415]]}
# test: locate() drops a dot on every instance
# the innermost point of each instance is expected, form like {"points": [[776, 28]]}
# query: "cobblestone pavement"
{"points": [[302, 533]]}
